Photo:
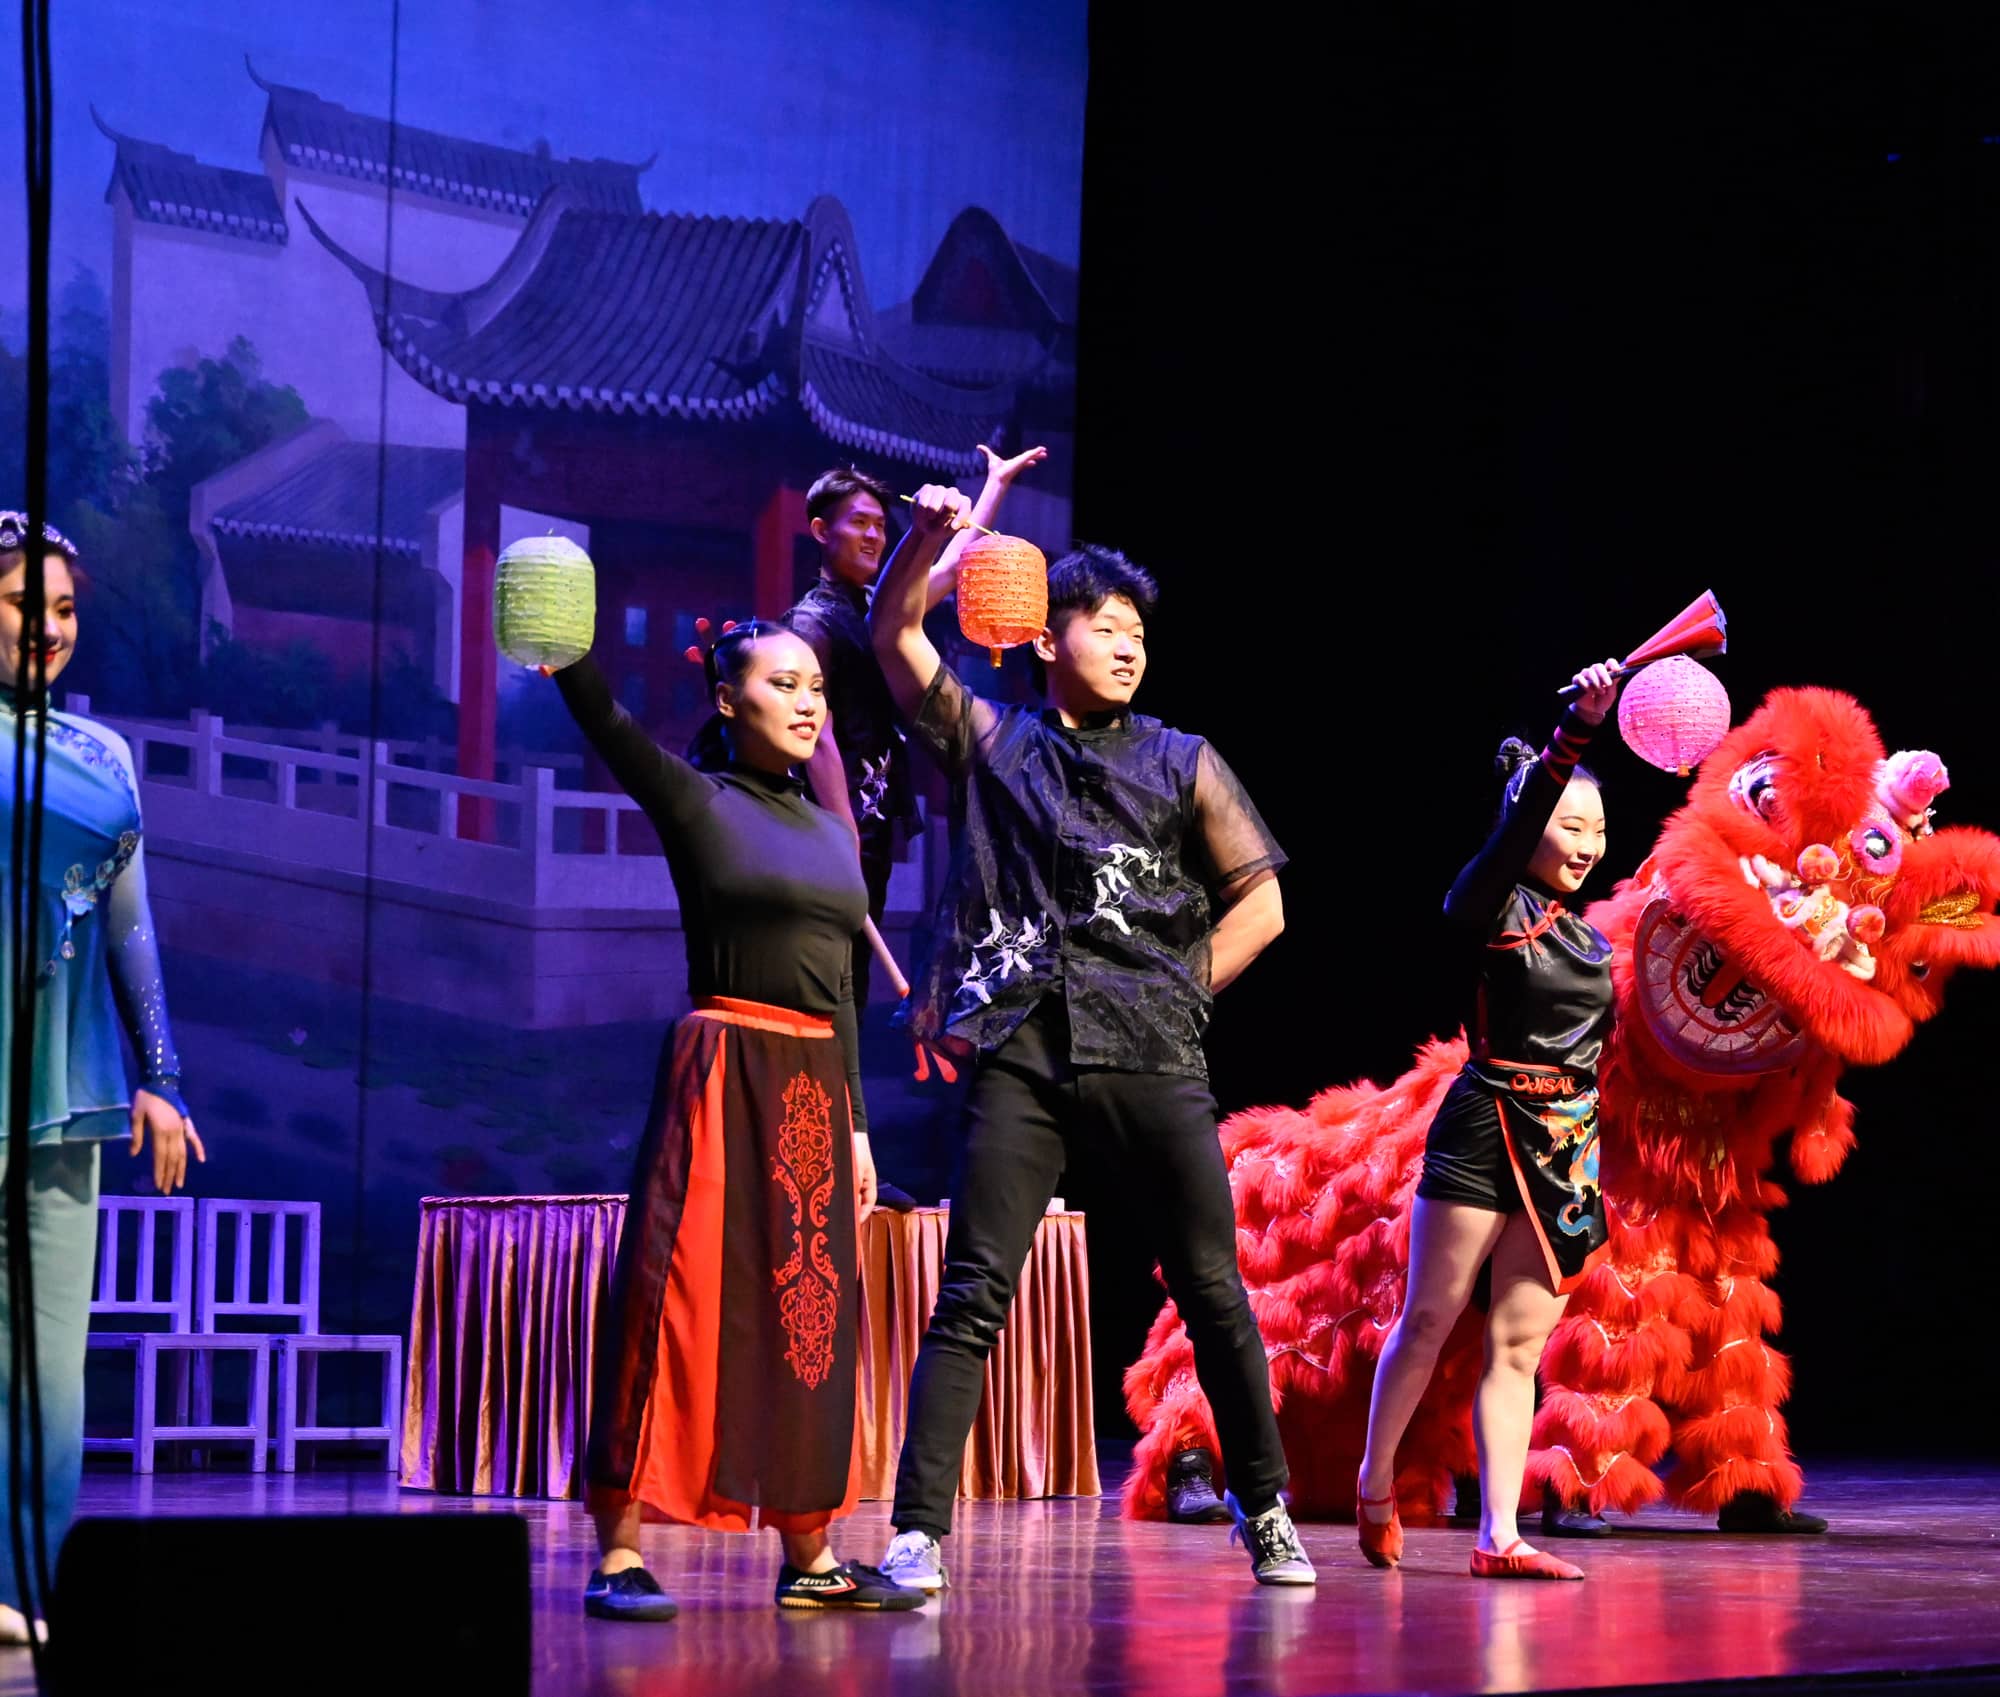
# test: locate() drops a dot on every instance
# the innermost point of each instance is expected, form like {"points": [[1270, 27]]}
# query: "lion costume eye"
{"points": [[1877, 848], [1754, 786]]}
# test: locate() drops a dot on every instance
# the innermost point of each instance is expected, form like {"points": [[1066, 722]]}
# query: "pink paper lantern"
{"points": [[1673, 714]]}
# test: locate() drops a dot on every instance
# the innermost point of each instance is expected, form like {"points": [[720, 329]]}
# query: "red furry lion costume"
{"points": [[1743, 990]]}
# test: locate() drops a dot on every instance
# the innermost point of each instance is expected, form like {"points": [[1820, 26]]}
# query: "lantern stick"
{"points": [[882, 954], [1708, 651], [965, 525]]}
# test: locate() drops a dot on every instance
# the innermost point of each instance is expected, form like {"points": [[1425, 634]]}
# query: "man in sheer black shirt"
{"points": [[1110, 876]]}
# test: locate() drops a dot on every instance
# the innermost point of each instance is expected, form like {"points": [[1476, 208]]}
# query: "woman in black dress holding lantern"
{"points": [[725, 1390], [1511, 1161]]}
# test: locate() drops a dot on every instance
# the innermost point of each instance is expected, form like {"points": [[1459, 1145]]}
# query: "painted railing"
{"points": [[429, 754], [206, 788]]}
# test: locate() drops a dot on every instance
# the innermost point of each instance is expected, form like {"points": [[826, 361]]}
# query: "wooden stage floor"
{"points": [[1060, 1597]]}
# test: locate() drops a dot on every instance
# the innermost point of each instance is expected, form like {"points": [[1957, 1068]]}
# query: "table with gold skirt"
{"points": [[504, 1318]]}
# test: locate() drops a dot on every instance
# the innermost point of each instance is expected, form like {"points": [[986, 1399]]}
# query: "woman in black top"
{"points": [[1510, 1166], [724, 1389]]}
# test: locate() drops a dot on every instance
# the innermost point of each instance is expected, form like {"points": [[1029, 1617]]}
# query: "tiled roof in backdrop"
{"points": [[318, 135], [348, 496], [166, 187], [683, 316]]}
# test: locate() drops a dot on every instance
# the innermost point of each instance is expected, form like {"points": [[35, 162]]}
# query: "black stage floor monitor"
{"points": [[358, 1603]]}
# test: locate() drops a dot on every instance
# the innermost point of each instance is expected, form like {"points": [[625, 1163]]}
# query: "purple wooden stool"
{"points": [[298, 1367], [177, 1347], [279, 1299]]}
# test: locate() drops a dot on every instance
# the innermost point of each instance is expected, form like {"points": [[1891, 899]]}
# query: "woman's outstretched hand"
{"points": [[1596, 691], [173, 1136]]}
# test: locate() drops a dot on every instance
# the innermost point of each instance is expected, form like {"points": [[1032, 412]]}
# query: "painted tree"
{"points": [[145, 652]]}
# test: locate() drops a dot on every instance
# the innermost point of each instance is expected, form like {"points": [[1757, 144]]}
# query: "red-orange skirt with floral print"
{"points": [[725, 1370]]}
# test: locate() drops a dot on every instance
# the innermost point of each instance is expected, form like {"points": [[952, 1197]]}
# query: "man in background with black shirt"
{"points": [[860, 770]]}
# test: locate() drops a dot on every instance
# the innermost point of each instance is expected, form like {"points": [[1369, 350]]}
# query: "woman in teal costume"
{"points": [[100, 975]]}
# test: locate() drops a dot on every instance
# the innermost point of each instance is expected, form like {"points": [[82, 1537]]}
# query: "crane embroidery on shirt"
{"points": [[1114, 883], [873, 789], [1010, 946]]}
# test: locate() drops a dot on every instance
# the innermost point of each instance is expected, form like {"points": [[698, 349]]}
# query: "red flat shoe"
{"points": [[1381, 1540], [1535, 1564]]}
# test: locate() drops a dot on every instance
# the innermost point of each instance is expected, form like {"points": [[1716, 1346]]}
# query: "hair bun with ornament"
{"points": [[1513, 758], [717, 655], [702, 650], [723, 654]]}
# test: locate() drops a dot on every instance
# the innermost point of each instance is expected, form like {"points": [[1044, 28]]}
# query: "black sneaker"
{"points": [[1191, 1498], [1758, 1515], [848, 1586], [630, 1594]]}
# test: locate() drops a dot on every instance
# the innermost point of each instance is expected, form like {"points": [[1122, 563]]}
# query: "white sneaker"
{"points": [[1276, 1555], [916, 1562]]}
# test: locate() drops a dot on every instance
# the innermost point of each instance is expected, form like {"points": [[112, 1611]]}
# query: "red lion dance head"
{"points": [[1798, 913]]}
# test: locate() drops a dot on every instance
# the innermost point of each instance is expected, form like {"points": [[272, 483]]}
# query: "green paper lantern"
{"points": [[544, 602]]}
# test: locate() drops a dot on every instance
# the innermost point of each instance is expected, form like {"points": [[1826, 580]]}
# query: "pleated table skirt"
{"points": [[504, 1318]]}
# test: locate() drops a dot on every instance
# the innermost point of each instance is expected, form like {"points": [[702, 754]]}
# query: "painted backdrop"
{"points": [[340, 312]]}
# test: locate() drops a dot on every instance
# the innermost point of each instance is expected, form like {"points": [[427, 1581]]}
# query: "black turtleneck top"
{"points": [[771, 894], [1541, 974]]}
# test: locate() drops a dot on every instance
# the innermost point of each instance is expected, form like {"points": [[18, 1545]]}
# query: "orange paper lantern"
{"points": [[1003, 592]]}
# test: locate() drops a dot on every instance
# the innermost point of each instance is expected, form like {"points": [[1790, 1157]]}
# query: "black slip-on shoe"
{"points": [[1757, 1515], [630, 1594]]}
